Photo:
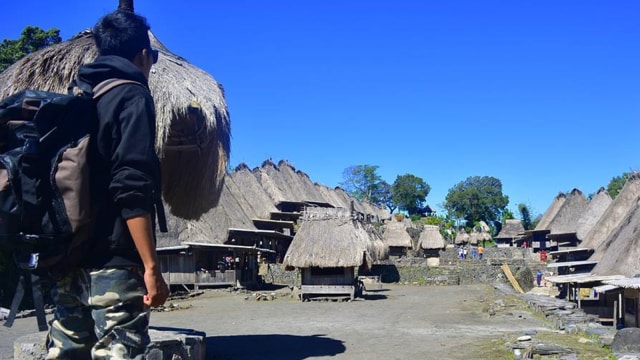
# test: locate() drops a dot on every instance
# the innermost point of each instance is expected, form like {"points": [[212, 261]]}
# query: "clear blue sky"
{"points": [[543, 95]]}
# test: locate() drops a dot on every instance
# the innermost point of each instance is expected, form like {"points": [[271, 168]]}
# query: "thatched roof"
{"points": [[462, 237], [193, 125], [331, 196], [597, 207], [569, 213], [329, 237], [272, 182], [620, 252], [261, 204], [551, 212], [292, 181], [510, 229], [430, 238], [348, 199], [212, 227], [614, 213], [395, 234], [483, 227], [313, 193]]}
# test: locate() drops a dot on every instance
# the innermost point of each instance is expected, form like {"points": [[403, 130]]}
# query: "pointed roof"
{"points": [[431, 238], [510, 229], [269, 177], [620, 252], [261, 205], [462, 237], [566, 219], [395, 234], [330, 237], [597, 207], [614, 213], [551, 212]]}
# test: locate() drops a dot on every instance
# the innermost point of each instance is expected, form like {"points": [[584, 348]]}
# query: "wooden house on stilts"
{"points": [[432, 242]]}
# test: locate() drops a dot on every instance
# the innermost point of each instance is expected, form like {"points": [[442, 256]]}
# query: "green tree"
{"points": [[385, 194], [616, 184], [477, 198], [410, 193], [32, 39], [363, 183], [525, 216]]}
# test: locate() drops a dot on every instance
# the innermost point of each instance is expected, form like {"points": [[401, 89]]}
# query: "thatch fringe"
{"points": [[395, 234], [567, 216], [597, 206], [431, 238], [193, 126], [510, 229], [551, 212]]}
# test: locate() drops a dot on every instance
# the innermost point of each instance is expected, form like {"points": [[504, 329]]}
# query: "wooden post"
{"points": [[578, 296], [615, 314]]}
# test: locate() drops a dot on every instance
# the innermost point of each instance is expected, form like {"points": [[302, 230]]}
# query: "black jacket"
{"points": [[125, 170]]}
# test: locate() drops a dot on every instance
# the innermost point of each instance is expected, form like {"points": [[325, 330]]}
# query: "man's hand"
{"points": [[157, 289]]}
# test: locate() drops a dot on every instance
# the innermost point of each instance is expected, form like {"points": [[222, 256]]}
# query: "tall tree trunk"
{"points": [[126, 5]]}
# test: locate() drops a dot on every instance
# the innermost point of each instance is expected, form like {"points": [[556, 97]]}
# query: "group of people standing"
{"points": [[477, 252]]}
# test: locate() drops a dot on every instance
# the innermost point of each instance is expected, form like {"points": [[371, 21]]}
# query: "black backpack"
{"points": [[46, 206]]}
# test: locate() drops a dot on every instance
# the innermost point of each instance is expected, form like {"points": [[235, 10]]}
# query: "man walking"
{"points": [[102, 307]]}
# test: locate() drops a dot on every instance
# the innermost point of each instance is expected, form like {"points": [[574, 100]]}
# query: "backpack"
{"points": [[46, 212]]}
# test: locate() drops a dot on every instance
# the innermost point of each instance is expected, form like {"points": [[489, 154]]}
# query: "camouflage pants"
{"points": [[99, 315]]}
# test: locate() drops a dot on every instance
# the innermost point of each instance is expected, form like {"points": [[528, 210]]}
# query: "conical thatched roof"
{"points": [[331, 196], [261, 204], [348, 199], [430, 238], [462, 237], [293, 183], [474, 237], [620, 252], [395, 234], [483, 227], [551, 212], [272, 182], [567, 217], [329, 237], [510, 229], [212, 227], [313, 194], [597, 207], [614, 213], [193, 125]]}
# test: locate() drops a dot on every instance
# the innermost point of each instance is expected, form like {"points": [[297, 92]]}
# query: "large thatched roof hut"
{"points": [[620, 252], [431, 238], [397, 238], [612, 216], [272, 182], [567, 216], [462, 237], [590, 217], [511, 229], [331, 196], [193, 125], [293, 183]]}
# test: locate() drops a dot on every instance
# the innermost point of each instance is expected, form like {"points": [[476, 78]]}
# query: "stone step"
{"points": [[166, 343]]}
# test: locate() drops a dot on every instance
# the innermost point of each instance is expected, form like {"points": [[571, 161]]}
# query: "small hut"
{"points": [[462, 238], [330, 244], [630, 299], [396, 238], [511, 230], [432, 242]]}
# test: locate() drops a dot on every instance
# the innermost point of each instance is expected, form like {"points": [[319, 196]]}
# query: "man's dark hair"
{"points": [[121, 33]]}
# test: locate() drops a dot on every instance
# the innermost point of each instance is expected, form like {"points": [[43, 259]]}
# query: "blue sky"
{"points": [[543, 95]]}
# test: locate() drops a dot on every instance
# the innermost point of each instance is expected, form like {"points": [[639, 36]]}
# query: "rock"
{"points": [[585, 341], [530, 332], [524, 338], [626, 341]]}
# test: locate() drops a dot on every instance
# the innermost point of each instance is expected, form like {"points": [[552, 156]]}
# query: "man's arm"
{"points": [[142, 234]]}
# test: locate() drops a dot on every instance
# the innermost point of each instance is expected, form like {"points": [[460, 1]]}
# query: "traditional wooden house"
{"points": [[629, 299], [597, 207], [511, 230], [328, 248], [432, 242], [564, 226], [396, 238], [539, 234]]}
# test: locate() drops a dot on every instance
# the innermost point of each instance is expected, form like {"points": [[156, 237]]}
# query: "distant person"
{"points": [[538, 277], [464, 252], [460, 253], [474, 253], [480, 252]]}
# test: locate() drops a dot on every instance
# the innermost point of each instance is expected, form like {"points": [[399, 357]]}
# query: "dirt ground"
{"points": [[399, 322]]}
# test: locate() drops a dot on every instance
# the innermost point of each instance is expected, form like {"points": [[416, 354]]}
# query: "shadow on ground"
{"points": [[272, 346]]}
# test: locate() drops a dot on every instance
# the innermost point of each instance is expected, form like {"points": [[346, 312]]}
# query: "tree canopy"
{"points": [[477, 198], [410, 193], [363, 183], [32, 39], [525, 216], [616, 184]]}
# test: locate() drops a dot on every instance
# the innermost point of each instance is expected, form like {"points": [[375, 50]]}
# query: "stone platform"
{"points": [[166, 343]]}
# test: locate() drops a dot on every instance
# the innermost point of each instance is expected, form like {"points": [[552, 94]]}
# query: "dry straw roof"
{"points": [[271, 181], [510, 229], [261, 205], [614, 213], [620, 252], [462, 237], [566, 219], [597, 207], [430, 238], [193, 123], [212, 227], [551, 212], [330, 237], [395, 234]]}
